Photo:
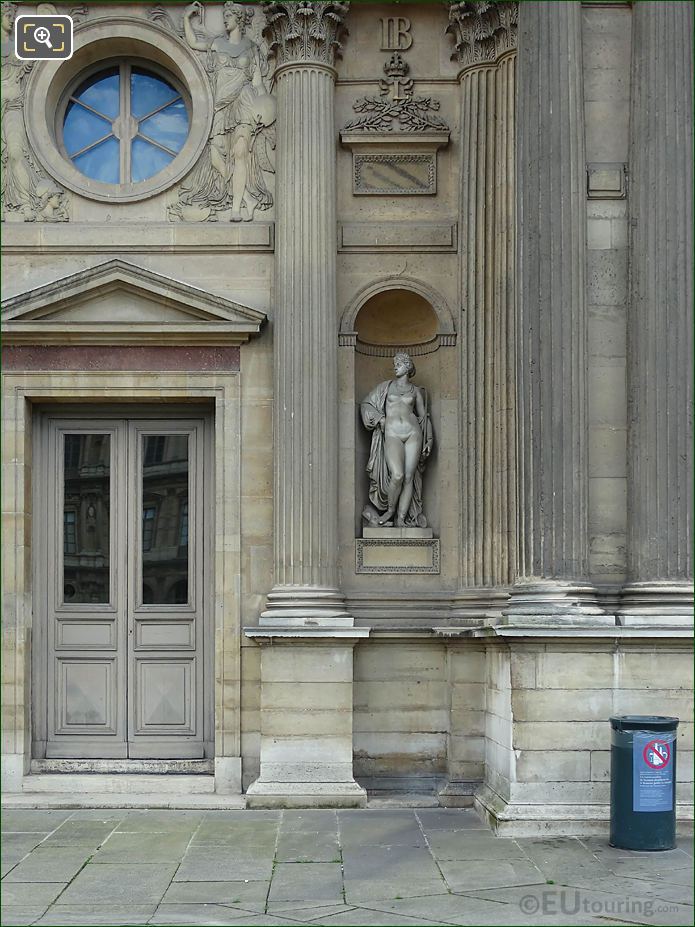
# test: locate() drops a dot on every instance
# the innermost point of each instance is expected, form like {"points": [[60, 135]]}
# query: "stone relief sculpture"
{"points": [[397, 105], [24, 190], [230, 172], [396, 412]]}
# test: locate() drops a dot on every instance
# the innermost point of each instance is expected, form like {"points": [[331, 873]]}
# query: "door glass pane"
{"points": [[86, 519], [165, 519]]}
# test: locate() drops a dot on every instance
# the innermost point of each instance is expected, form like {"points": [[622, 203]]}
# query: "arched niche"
{"points": [[383, 318], [397, 313]]}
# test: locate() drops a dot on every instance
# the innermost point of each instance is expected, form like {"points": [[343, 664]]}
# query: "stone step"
{"points": [[123, 800], [396, 799], [85, 783], [129, 766]]}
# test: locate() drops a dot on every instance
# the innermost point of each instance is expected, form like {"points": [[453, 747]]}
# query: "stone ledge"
{"points": [[126, 767], [305, 795], [511, 819], [565, 631], [395, 237], [85, 784], [137, 238], [460, 793], [304, 635], [124, 800]]}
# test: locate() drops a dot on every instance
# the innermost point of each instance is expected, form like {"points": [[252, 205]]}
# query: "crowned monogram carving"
{"points": [[482, 29], [304, 31], [230, 177], [25, 190], [396, 106]]}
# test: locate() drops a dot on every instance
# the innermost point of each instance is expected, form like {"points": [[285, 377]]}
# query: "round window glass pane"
{"points": [[124, 125]]}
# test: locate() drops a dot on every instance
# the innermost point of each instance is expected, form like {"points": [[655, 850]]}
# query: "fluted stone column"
{"points": [[485, 45], [304, 38], [553, 472], [306, 635], [504, 385], [660, 326]]}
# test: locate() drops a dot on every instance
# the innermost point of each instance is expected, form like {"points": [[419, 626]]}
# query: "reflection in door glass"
{"points": [[86, 519], [165, 520]]}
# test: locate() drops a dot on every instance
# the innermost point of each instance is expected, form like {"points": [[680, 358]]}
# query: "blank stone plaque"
{"points": [[393, 174], [408, 550]]}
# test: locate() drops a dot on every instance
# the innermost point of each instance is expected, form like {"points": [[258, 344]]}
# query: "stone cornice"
{"points": [[483, 30], [300, 31], [151, 309]]}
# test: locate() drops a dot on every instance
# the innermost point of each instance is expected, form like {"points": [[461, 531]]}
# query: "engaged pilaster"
{"points": [[305, 38], [553, 543], [485, 37], [660, 331], [307, 640]]}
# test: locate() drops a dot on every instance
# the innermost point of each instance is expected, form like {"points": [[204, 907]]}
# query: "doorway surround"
{"points": [[56, 350]]}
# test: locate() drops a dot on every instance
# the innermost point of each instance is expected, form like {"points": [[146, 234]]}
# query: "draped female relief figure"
{"points": [[230, 173]]}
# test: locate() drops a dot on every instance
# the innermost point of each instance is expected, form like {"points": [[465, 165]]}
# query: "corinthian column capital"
{"points": [[301, 31], [482, 30]]}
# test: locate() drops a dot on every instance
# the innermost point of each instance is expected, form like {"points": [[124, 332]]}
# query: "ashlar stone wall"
{"points": [[547, 724]]}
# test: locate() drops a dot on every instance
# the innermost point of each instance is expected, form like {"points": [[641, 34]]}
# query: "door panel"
{"points": [[166, 590], [121, 670], [85, 588], [87, 696]]}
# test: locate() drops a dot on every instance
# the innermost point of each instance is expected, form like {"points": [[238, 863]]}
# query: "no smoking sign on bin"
{"points": [[652, 779], [643, 782]]}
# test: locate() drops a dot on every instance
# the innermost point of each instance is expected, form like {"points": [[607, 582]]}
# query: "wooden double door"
{"points": [[121, 540]]}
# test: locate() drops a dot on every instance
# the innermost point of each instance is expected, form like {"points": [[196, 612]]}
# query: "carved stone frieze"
{"points": [[77, 13], [305, 32], [25, 191], [396, 107], [231, 175], [482, 30]]}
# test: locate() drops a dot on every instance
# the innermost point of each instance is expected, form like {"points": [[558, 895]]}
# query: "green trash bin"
{"points": [[643, 782]]}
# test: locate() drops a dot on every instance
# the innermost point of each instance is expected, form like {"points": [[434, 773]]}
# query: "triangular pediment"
{"points": [[121, 303]]}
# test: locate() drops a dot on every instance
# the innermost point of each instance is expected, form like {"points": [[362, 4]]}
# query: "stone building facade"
{"points": [[220, 223]]}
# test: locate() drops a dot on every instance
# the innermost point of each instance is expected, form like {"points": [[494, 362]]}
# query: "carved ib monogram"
{"points": [[230, 176], [395, 33]]}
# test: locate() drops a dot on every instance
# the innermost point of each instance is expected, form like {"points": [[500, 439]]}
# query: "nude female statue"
{"points": [[397, 415]]}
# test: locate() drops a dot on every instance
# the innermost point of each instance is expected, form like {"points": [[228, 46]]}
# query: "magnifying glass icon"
{"points": [[44, 36]]}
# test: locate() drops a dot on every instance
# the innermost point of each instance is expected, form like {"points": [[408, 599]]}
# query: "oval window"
{"points": [[124, 124]]}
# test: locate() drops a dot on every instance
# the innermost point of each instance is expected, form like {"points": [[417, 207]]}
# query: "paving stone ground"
{"points": [[374, 867]]}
